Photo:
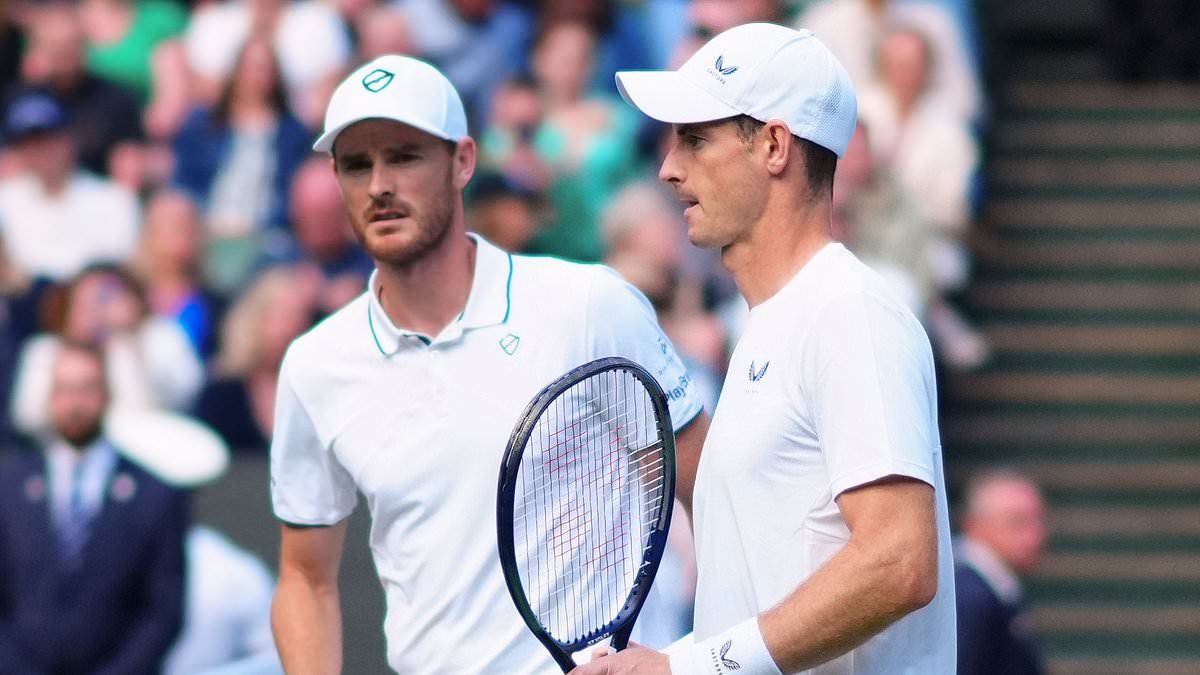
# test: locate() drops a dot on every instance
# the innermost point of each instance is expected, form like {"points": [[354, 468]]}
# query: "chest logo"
{"points": [[756, 375], [377, 80], [509, 343]]}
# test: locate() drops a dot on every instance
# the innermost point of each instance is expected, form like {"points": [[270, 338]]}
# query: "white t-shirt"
{"points": [[418, 424], [55, 236], [830, 387]]}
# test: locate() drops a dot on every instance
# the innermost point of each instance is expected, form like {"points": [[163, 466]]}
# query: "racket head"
{"points": [[649, 447]]}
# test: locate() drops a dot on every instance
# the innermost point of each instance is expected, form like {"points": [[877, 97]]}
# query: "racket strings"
{"points": [[589, 492]]}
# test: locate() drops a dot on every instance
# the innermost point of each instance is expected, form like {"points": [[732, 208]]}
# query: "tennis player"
{"points": [[409, 393], [823, 543]]}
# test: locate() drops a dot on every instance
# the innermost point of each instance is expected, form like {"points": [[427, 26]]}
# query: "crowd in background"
{"points": [[161, 206]]}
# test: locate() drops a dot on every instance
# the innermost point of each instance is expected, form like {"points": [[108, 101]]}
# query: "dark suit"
{"points": [[994, 638], [115, 613]]}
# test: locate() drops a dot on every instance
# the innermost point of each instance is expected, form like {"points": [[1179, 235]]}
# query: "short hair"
{"points": [[820, 162], [978, 483]]}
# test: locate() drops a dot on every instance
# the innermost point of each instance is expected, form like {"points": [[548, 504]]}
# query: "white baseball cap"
{"points": [[399, 88], [757, 69]]}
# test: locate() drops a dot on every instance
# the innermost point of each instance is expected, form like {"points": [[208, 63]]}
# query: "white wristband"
{"points": [[739, 650]]}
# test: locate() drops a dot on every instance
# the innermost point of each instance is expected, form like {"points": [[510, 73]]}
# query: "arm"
{"points": [[888, 569], [688, 443], [306, 615], [148, 640]]}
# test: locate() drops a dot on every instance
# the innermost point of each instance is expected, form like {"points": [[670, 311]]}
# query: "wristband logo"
{"points": [[721, 662]]}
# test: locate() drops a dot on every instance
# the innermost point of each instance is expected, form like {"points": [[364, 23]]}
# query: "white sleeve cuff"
{"points": [[740, 650]]}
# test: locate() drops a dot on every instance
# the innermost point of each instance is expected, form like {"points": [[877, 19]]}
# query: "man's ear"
{"points": [[780, 143], [465, 154]]}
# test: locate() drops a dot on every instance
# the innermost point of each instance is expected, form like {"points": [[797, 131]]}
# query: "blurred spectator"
{"points": [[168, 264], [709, 17], [931, 152], [149, 360], [383, 29], [240, 402], [227, 624], [90, 544], [584, 141], [933, 157], [853, 28], [477, 44], [644, 236], [323, 236], [619, 30], [57, 219], [18, 312], [104, 117], [1004, 535], [122, 34], [309, 38], [503, 212], [877, 220], [237, 160]]}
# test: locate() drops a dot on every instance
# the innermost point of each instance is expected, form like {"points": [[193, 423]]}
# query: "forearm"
{"points": [[854, 596], [307, 622]]}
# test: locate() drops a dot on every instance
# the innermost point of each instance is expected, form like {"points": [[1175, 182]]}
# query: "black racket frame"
{"points": [[622, 625]]}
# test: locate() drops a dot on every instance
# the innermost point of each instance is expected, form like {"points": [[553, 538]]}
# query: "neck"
{"points": [[425, 295], [774, 249]]}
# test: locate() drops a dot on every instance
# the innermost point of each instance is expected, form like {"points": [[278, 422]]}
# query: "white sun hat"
{"points": [[762, 70], [399, 88]]}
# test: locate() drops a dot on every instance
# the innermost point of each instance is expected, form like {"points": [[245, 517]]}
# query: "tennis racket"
{"points": [[585, 497]]}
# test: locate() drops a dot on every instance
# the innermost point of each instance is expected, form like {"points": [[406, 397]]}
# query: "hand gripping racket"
{"points": [[585, 496]]}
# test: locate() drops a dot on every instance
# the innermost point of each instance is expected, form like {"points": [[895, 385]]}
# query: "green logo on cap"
{"points": [[377, 80]]}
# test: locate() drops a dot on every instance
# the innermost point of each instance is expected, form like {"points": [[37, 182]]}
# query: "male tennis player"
{"points": [[822, 536], [410, 392]]}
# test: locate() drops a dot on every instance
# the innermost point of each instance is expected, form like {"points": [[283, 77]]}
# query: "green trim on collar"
{"points": [[508, 291], [371, 325]]}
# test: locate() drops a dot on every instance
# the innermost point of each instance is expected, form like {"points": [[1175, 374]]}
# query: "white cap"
{"points": [[399, 88], [757, 69]]}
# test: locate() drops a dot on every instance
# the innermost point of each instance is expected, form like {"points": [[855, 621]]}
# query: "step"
{"points": [[1074, 475], [1153, 567], [1038, 213], [1084, 295], [1097, 137], [1039, 428], [1056, 255], [1041, 172], [1128, 521], [1056, 338], [1117, 619], [1101, 96], [1106, 665], [1081, 388]]}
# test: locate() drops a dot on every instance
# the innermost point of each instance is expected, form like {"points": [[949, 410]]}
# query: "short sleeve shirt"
{"points": [[418, 424], [830, 387]]}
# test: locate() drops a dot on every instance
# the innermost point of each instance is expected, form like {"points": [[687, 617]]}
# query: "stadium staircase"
{"points": [[1088, 287]]}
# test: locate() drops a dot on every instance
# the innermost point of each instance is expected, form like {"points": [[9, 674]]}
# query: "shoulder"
{"points": [[841, 281], [552, 278], [338, 336], [970, 589]]}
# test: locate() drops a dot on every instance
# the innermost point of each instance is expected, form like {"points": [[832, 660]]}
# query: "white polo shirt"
{"points": [[418, 424], [831, 387]]}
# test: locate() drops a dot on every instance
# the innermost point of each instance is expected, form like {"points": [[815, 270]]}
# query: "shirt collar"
{"points": [[992, 570], [488, 303]]}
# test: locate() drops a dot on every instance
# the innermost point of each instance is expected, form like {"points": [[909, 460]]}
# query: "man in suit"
{"points": [[1004, 535], [91, 546]]}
